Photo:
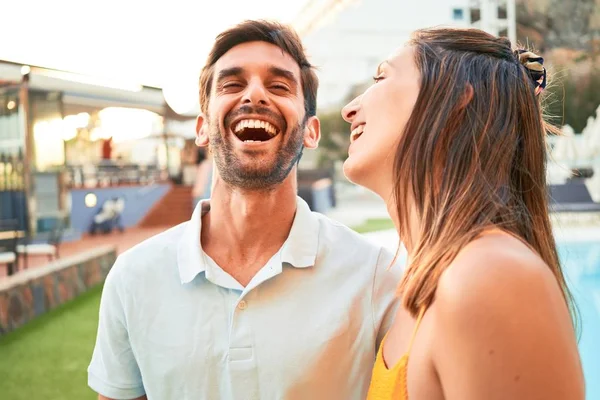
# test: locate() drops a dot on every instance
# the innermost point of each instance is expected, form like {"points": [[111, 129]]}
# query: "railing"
{"points": [[105, 175]]}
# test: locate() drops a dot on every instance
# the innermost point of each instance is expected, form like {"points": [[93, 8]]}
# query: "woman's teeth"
{"points": [[356, 133]]}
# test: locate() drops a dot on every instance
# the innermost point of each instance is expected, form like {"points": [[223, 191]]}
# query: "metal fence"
{"points": [[106, 175]]}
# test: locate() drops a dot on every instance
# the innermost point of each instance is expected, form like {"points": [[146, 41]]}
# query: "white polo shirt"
{"points": [[174, 325]]}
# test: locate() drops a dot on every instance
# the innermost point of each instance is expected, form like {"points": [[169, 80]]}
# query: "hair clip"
{"points": [[535, 66]]}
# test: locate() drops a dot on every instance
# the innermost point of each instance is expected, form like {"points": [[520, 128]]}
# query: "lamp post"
{"points": [[28, 154], [511, 18]]}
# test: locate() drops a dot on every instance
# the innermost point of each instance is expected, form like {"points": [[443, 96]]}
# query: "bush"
{"points": [[335, 132], [571, 98]]}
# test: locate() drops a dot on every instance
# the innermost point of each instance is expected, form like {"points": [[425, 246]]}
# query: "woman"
{"points": [[451, 136]]}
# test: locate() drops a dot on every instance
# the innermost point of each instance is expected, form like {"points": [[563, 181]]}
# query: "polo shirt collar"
{"points": [[190, 260], [299, 250]]}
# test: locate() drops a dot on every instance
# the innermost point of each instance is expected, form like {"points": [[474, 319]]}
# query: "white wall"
{"points": [[348, 49]]}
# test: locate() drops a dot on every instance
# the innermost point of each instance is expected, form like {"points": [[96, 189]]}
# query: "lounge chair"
{"points": [[572, 197], [9, 235]]}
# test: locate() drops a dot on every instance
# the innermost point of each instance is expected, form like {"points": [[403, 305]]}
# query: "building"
{"points": [[347, 39], [62, 133]]}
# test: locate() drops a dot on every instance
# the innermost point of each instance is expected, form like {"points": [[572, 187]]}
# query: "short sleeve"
{"points": [[113, 371], [385, 283]]}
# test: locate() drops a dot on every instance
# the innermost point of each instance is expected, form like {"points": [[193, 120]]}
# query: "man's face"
{"points": [[256, 125]]}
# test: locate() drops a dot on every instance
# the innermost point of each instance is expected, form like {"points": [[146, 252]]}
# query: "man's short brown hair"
{"points": [[275, 33]]}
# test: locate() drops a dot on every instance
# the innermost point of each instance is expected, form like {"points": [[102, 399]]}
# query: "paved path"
{"points": [[122, 241]]}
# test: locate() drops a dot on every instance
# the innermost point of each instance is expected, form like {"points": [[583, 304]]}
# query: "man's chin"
{"points": [[254, 172], [255, 176]]}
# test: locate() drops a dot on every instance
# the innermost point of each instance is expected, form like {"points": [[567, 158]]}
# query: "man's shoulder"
{"points": [[335, 234], [152, 252], [348, 248]]}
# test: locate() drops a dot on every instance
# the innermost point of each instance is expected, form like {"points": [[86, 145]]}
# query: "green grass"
{"points": [[373, 225], [48, 357]]}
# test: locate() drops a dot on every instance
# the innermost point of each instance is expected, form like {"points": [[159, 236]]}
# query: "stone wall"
{"points": [[30, 293]]}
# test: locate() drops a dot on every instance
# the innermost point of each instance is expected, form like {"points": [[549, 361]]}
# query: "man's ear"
{"points": [[201, 131], [312, 133]]}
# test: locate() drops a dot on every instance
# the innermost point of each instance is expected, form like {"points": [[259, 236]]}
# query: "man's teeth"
{"points": [[255, 123], [356, 132]]}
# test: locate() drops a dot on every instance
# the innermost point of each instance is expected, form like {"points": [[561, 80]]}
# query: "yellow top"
{"points": [[391, 384]]}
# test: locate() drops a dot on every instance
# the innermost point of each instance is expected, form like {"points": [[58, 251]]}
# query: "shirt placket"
{"points": [[241, 358]]}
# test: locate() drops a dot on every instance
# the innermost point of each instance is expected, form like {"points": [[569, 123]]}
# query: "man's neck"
{"points": [[244, 229]]}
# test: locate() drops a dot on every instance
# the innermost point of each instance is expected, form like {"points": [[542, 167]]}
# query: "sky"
{"points": [[156, 44]]}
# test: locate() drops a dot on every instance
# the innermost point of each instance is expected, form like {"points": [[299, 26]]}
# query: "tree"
{"points": [[335, 139], [335, 132], [574, 97]]}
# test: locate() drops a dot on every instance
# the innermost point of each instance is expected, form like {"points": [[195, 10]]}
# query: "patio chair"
{"points": [[572, 197], [49, 247], [9, 235]]}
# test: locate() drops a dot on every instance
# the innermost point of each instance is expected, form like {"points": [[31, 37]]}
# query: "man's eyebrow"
{"points": [[284, 73], [228, 72]]}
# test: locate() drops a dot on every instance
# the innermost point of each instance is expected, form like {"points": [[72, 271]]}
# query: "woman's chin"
{"points": [[368, 175], [349, 169], [356, 172]]}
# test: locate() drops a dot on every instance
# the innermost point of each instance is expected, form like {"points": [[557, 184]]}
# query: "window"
{"points": [[458, 14]]}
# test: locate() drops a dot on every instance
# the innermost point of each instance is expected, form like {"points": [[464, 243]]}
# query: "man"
{"points": [[255, 297]]}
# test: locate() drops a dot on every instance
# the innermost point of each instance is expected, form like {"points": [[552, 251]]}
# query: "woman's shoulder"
{"points": [[500, 310], [495, 270]]}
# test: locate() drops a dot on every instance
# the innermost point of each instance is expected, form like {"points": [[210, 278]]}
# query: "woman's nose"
{"points": [[350, 109]]}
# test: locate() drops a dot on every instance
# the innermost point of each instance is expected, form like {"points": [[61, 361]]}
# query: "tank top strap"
{"points": [[414, 334]]}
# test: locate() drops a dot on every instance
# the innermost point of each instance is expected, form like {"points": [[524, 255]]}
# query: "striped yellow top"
{"points": [[391, 384]]}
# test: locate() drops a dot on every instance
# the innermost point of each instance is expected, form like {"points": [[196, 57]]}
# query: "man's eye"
{"points": [[280, 87], [230, 85]]}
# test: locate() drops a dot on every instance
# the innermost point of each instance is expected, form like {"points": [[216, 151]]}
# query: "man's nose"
{"points": [[255, 94]]}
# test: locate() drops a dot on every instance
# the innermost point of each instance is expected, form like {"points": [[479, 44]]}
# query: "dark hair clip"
{"points": [[535, 66]]}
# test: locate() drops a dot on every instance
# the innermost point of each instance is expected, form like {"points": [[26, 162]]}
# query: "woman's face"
{"points": [[378, 118]]}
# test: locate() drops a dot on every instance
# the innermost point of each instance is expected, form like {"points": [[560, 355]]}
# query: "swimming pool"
{"points": [[581, 263]]}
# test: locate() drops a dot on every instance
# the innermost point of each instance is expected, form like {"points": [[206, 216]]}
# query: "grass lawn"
{"points": [[48, 358], [373, 225]]}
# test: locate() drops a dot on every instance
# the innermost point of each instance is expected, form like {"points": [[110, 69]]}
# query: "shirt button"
{"points": [[242, 305]]}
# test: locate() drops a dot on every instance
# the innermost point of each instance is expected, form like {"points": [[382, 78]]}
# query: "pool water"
{"points": [[581, 263]]}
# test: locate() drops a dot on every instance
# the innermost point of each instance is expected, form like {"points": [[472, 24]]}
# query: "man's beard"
{"points": [[267, 174]]}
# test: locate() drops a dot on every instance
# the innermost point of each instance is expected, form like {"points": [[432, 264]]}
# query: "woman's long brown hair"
{"points": [[472, 157]]}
